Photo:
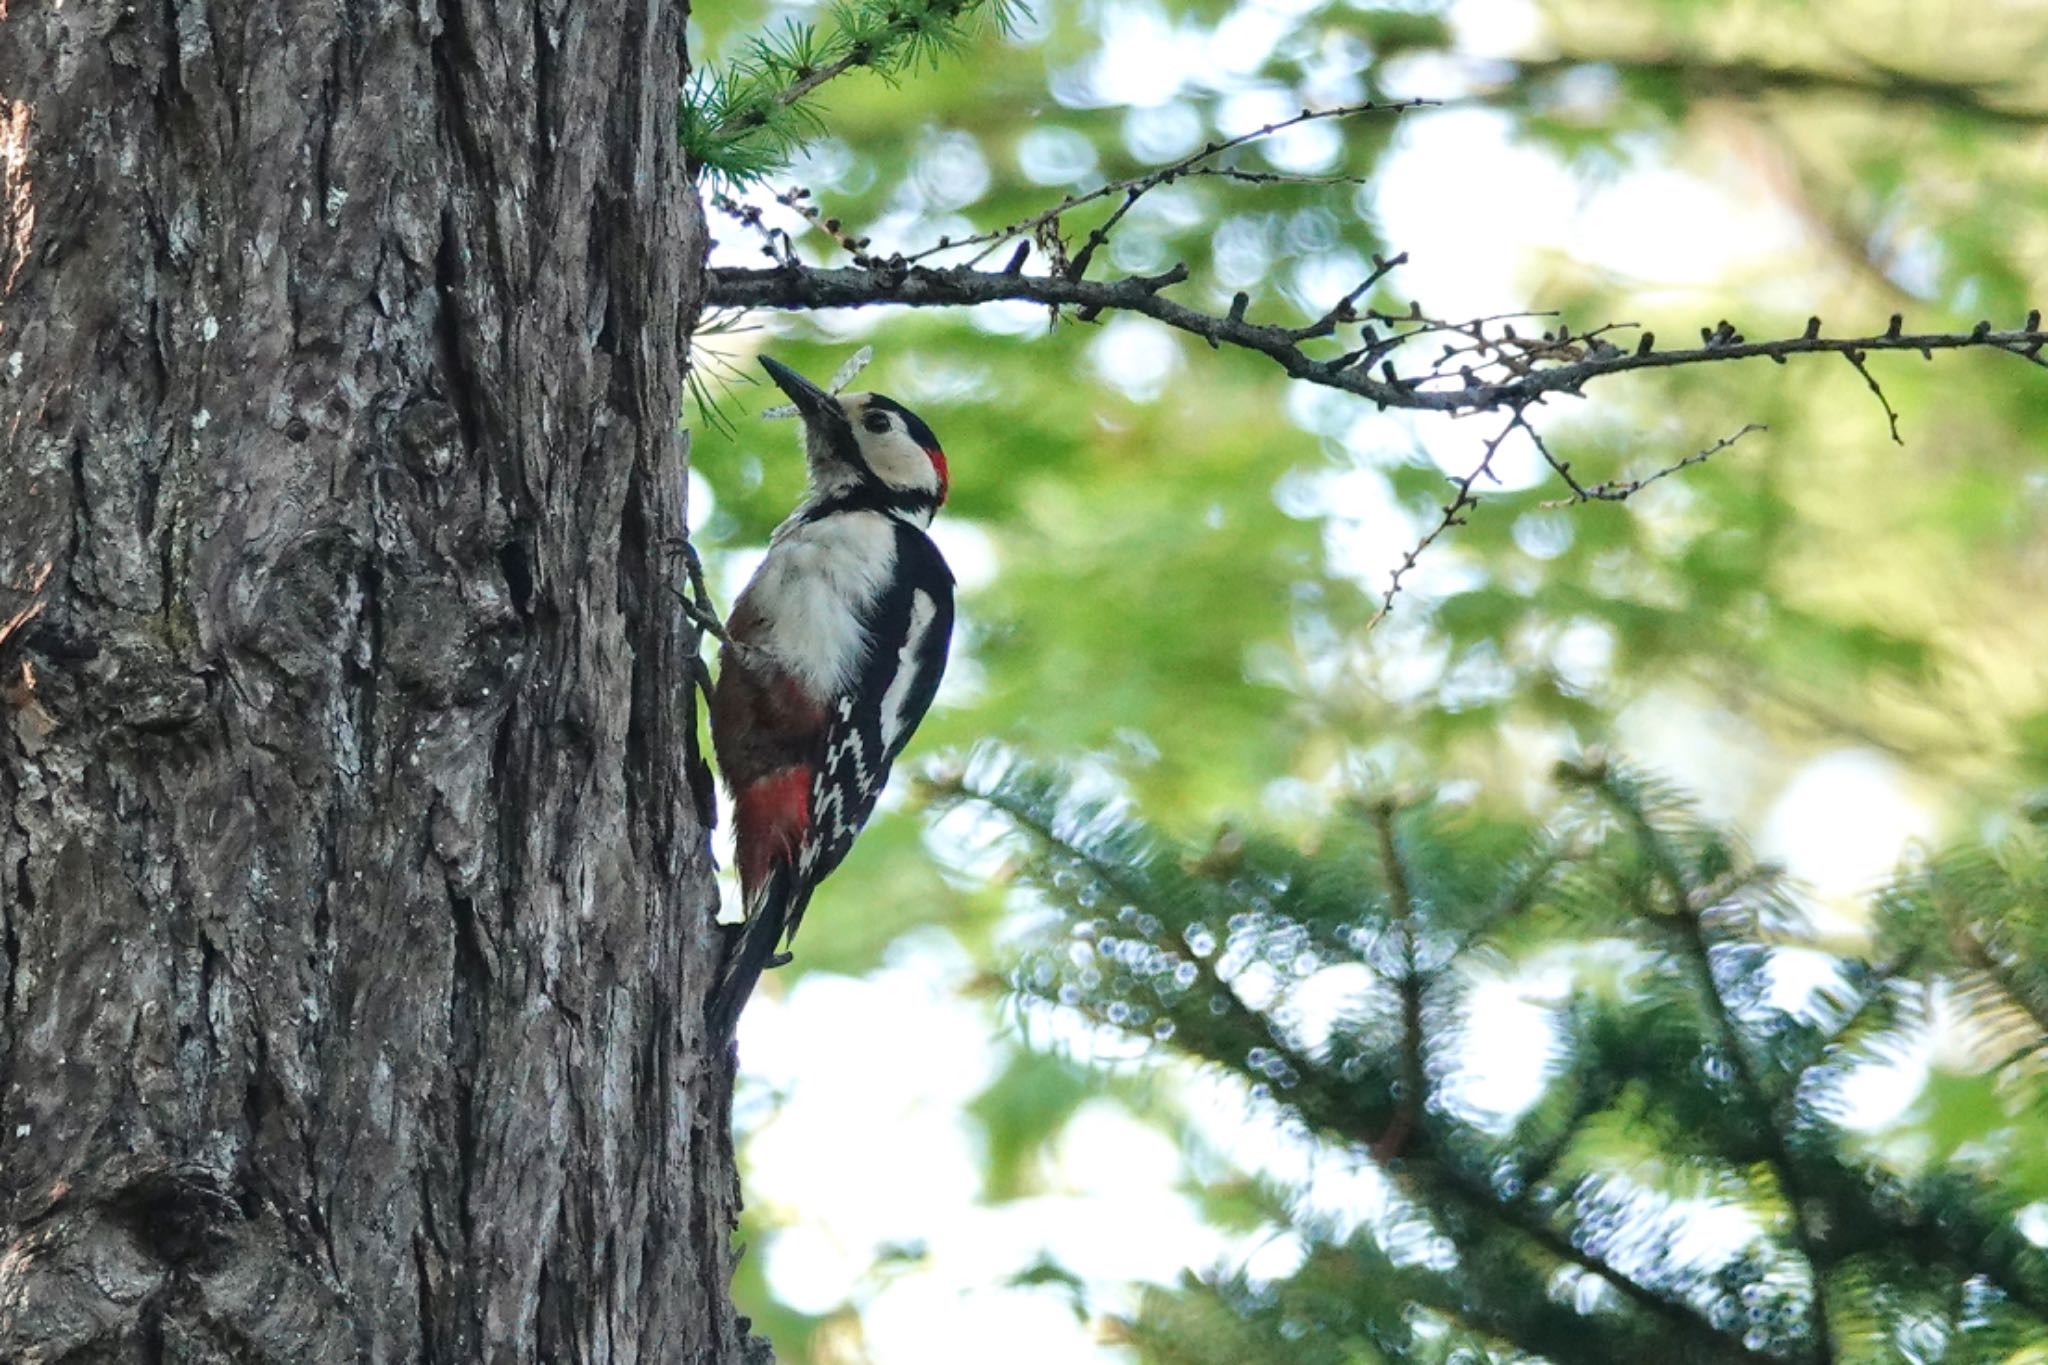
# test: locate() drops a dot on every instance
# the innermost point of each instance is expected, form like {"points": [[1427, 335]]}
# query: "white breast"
{"points": [[813, 590]]}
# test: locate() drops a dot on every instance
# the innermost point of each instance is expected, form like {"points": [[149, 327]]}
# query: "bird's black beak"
{"points": [[811, 401]]}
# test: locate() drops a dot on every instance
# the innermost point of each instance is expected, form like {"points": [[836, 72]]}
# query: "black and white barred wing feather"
{"points": [[870, 724]]}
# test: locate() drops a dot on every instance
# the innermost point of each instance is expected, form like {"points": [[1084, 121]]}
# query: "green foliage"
{"points": [[742, 119], [1680, 1082], [1022, 1113]]}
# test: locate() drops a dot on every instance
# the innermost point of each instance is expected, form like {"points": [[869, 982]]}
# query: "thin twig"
{"points": [[1342, 310], [1855, 357], [1138, 185], [1623, 490], [1462, 501]]}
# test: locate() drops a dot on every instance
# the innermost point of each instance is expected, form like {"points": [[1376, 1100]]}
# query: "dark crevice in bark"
{"points": [[644, 712], [606, 338], [80, 513], [209, 961], [159, 366], [152, 477], [469, 988], [454, 52], [150, 1339], [370, 670], [465, 392], [255, 1112], [174, 77], [226, 58], [331, 83], [542, 99], [517, 566], [553, 1316], [451, 47], [316, 1213], [430, 1337], [609, 1278], [511, 846], [320, 952], [167, 585], [22, 904], [181, 1215]]}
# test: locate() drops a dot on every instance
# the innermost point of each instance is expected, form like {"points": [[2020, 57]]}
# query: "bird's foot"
{"points": [[702, 616], [697, 605]]}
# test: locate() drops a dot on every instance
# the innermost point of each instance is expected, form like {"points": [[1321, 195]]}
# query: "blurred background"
{"points": [[1170, 558]]}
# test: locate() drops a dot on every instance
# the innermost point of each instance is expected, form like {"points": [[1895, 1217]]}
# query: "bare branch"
{"points": [[1513, 373]]}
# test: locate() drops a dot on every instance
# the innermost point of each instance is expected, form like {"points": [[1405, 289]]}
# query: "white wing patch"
{"points": [[909, 664]]}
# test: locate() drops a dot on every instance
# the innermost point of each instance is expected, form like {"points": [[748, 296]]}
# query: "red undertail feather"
{"points": [[769, 820]]}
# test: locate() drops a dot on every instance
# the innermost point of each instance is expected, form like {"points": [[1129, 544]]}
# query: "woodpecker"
{"points": [[832, 655]]}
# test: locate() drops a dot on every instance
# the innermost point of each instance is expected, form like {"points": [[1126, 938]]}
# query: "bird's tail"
{"points": [[749, 947]]}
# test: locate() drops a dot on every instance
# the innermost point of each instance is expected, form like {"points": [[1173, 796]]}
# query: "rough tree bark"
{"points": [[354, 893]]}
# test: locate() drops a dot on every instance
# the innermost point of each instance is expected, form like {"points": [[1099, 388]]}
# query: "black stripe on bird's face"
{"points": [[912, 423]]}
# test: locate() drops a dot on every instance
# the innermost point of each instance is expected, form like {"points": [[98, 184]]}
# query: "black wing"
{"points": [[869, 724]]}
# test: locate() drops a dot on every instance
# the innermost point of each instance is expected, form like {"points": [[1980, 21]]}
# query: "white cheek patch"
{"points": [[900, 462], [909, 664], [815, 589]]}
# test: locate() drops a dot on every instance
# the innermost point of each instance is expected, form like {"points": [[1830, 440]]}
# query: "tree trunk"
{"points": [[355, 899]]}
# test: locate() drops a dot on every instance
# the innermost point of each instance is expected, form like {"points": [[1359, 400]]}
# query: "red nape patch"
{"points": [[768, 821], [938, 459]]}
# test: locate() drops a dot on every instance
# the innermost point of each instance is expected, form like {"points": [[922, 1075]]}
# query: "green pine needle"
{"points": [[743, 120], [1676, 1088]]}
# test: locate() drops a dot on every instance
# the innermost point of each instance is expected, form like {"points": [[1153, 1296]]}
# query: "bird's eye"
{"points": [[877, 422]]}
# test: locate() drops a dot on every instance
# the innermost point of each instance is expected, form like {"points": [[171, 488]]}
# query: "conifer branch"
{"points": [[1414, 1082], [743, 119], [1690, 901], [1424, 1166], [1488, 1192], [1440, 1183]]}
